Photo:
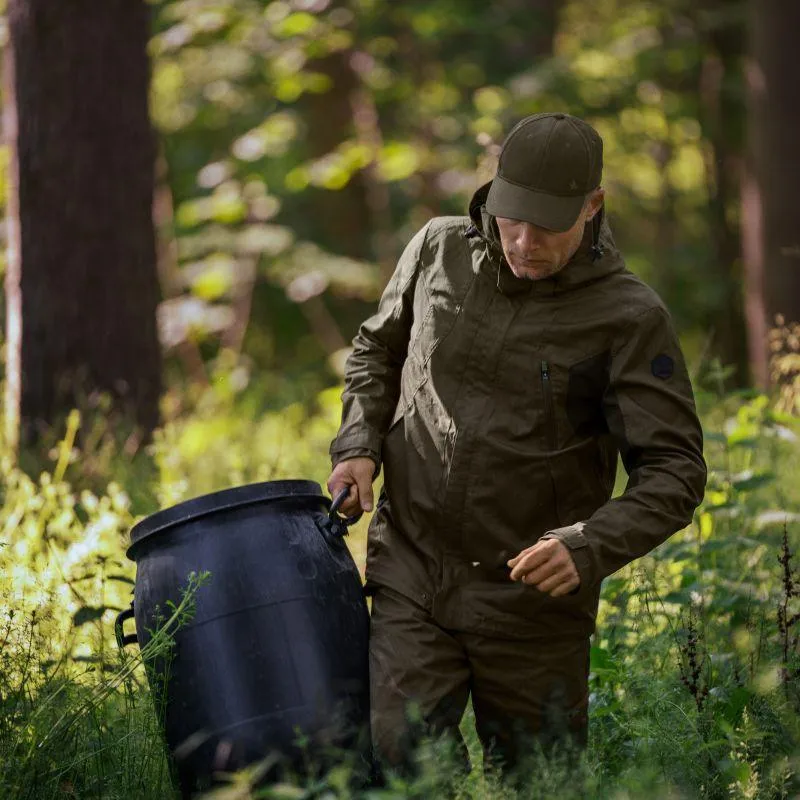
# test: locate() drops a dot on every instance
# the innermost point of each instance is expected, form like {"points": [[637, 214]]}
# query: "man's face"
{"points": [[534, 253]]}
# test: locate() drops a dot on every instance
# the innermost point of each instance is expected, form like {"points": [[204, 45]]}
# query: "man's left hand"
{"points": [[548, 566]]}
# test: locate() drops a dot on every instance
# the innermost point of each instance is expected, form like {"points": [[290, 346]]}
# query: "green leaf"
{"points": [[213, 278], [295, 24], [491, 100], [677, 597], [736, 701], [689, 580], [601, 661], [397, 160], [747, 480], [743, 440], [714, 545], [121, 579], [87, 614], [679, 551], [228, 207], [288, 88], [728, 504], [613, 585]]}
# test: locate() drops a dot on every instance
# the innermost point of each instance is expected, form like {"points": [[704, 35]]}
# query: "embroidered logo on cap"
{"points": [[662, 366]]}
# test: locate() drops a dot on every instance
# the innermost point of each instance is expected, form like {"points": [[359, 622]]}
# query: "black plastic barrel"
{"points": [[278, 643]]}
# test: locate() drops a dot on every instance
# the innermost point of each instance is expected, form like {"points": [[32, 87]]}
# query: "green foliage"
{"points": [[67, 729], [693, 675], [267, 110], [227, 442], [61, 559]]}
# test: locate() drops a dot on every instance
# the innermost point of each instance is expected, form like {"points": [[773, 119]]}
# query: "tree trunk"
{"points": [[722, 117], [773, 224], [342, 214], [82, 298]]}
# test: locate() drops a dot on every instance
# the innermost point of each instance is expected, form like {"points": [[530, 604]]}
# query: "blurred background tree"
{"points": [[81, 286], [770, 200], [302, 142], [212, 277]]}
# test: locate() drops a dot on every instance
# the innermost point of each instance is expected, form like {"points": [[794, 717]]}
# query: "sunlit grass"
{"points": [[694, 684]]}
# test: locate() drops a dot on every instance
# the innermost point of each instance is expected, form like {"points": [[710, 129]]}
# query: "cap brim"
{"points": [[549, 211]]}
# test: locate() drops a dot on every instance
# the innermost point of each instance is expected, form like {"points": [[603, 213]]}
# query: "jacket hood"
{"points": [[596, 256]]}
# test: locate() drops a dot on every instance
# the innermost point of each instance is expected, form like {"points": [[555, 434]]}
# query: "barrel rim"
{"points": [[222, 500]]}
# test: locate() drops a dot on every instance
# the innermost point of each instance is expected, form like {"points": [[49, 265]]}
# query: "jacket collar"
{"points": [[586, 265]]}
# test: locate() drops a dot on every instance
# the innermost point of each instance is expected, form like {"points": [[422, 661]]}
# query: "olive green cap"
{"points": [[548, 164]]}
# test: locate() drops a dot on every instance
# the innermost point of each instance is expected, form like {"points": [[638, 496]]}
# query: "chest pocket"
{"points": [[437, 307], [529, 398], [587, 381], [572, 397], [411, 379], [552, 396]]}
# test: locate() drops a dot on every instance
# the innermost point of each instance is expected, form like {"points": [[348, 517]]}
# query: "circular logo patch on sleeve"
{"points": [[662, 366]]}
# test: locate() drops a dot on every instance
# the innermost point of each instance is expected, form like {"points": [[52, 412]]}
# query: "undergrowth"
{"points": [[695, 671]]}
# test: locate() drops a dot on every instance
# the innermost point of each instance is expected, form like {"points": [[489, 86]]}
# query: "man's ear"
{"points": [[594, 203], [596, 200]]}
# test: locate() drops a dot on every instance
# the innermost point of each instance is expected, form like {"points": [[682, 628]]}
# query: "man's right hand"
{"points": [[356, 475]]}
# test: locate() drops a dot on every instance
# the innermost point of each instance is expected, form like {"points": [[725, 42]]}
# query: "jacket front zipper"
{"points": [[549, 418]]}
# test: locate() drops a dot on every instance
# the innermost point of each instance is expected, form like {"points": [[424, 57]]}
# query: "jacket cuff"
{"points": [[360, 439], [357, 452], [577, 543]]}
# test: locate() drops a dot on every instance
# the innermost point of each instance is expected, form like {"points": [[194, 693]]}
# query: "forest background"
{"points": [[202, 201]]}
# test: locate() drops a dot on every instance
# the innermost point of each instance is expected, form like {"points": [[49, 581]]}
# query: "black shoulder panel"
{"points": [[588, 380]]}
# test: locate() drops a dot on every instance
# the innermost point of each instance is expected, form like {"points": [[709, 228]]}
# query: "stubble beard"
{"points": [[547, 272]]}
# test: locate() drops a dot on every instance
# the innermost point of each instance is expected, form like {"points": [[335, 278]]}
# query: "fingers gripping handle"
{"points": [[338, 524]]}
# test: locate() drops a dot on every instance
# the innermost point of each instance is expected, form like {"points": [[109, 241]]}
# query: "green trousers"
{"points": [[522, 691]]}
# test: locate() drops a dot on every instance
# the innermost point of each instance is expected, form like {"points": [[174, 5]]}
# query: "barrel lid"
{"points": [[221, 501]]}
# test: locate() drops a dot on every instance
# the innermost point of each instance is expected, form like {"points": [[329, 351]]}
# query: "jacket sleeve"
{"points": [[650, 411], [373, 368]]}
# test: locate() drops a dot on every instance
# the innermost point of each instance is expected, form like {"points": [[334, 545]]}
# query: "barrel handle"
{"points": [[336, 505], [335, 525], [122, 639]]}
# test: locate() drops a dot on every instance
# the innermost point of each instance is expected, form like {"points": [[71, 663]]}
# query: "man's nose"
{"points": [[529, 237]]}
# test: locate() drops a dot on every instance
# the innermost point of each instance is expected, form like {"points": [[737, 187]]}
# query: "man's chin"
{"points": [[531, 273]]}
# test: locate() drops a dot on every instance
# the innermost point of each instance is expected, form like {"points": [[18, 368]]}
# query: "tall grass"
{"points": [[695, 670], [80, 727]]}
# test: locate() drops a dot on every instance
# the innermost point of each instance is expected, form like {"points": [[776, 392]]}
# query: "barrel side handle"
{"points": [[123, 639]]}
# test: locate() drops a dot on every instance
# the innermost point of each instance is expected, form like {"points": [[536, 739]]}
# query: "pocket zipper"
{"points": [[550, 421]]}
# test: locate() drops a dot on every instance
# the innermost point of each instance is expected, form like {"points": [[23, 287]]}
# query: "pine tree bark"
{"points": [[722, 117], [771, 218], [342, 215], [83, 293]]}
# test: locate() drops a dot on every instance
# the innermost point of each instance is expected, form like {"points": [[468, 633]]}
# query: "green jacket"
{"points": [[497, 407]]}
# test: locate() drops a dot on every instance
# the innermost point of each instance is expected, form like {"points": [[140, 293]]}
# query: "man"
{"points": [[511, 358]]}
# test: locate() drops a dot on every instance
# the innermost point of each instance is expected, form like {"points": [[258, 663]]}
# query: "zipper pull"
{"points": [[550, 421]]}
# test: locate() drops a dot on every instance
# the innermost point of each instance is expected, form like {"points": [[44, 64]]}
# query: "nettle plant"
{"points": [[725, 561], [62, 561]]}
